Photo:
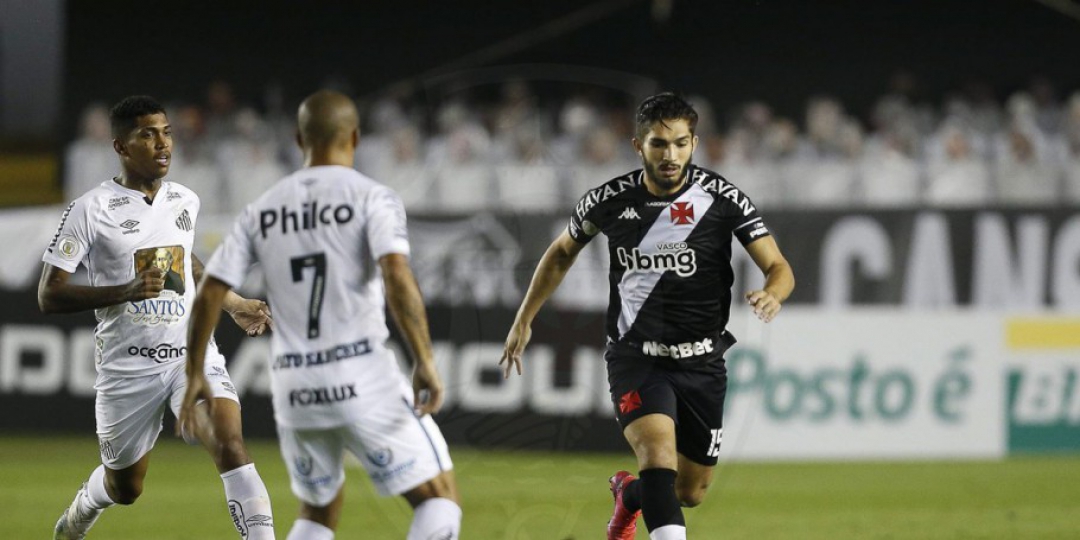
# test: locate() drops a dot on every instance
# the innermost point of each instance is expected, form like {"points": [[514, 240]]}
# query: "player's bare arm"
{"points": [[56, 294], [251, 315], [406, 306], [205, 313], [551, 270], [779, 279]]}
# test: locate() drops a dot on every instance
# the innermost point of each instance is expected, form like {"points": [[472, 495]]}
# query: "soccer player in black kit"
{"points": [[669, 227]]}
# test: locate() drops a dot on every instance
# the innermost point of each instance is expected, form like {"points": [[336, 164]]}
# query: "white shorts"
{"points": [[399, 450], [129, 410]]}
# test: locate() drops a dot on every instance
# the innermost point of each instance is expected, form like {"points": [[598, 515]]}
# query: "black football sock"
{"points": [[659, 505], [631, 495]]}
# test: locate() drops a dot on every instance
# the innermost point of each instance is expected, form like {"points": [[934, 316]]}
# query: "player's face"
{"points": [[146, 152], [665, 152]]}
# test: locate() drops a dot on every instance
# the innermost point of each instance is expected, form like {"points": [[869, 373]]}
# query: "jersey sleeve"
{"points": [[749, 225], [236, 254], [70, 245], [387, 228], [582, 227]]}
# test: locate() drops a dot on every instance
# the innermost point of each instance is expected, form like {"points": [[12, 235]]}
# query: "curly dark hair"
{"points": [[664, 106]]}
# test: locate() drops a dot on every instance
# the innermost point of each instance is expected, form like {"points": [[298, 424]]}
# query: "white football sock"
{"points": [[249, 504], [303, 529], [97, 498], [436, 519], [668, 532]]}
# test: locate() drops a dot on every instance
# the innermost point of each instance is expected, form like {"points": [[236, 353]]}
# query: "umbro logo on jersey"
{"points": [[682, 213], [629, 213], [184, 221], [130, 226]]}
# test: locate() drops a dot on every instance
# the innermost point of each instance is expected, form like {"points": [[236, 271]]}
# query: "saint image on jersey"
{"points": [[170, 259]]}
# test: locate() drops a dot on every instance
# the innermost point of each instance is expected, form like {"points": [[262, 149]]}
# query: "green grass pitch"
{"points": [[544, 496]]}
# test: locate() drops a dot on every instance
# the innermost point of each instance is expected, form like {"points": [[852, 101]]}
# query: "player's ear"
{"points": [[355, 137], [299, 140], [118, 147], [637, 145]]}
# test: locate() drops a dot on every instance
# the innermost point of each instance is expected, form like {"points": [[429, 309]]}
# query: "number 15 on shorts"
{"points": [[714, 444]]}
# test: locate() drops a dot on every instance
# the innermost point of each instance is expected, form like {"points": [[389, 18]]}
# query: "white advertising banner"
{"points": [[865, 384]]}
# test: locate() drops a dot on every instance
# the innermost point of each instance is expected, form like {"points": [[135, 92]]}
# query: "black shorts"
{"points": [[693, 396]]}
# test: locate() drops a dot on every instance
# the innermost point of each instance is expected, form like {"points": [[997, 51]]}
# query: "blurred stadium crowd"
{"points": [[516, 151]]}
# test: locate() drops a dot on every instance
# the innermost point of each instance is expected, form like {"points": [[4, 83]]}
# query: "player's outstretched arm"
{"points": [[56, 294], [779, 279], [551, 270], [205, 313], [406, 306], [251, 315]]}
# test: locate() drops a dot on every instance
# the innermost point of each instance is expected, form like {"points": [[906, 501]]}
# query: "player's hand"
{"points": [[253, 316], [147, 284], [427, 388], [196, 410], [515, 346], [765, 305]]}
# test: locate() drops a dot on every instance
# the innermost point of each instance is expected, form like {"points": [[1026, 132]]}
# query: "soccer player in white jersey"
{"points": [[133, 232], [333, 247]]}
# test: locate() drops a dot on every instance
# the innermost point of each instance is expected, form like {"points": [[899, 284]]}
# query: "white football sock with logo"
{"points": [[304, 529], [668, 532], [436, 519], [249, 503], [97, 498]]}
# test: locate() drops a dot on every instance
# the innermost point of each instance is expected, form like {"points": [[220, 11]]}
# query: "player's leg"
{"points": [[128, 413], [693, 481], [700, 407], [645, 406], [405, 454], [436, 509], [652, 438], [318, 522], [222, 436], [317, 473]]}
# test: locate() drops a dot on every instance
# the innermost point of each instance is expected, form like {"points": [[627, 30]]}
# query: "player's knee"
{"points": [[125, 493], [442, 486], [691, 496], [231, 452], [657, 457]]}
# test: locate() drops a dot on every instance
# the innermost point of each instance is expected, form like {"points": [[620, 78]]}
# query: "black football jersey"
{"points": [[670, 261]]}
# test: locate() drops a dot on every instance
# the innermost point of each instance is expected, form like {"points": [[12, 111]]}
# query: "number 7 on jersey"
{"points": [[316, 261]]}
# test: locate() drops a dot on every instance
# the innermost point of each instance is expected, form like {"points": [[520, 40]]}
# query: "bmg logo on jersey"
{"points": [[309, 217], [672, 256]]}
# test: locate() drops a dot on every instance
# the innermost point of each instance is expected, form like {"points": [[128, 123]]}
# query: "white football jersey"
{"points": [[318, 235], [116, 233]]}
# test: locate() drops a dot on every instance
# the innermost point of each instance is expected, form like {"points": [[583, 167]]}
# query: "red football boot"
{"points": [[623, 524]]}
